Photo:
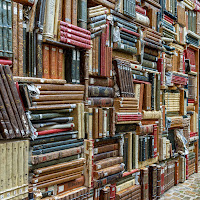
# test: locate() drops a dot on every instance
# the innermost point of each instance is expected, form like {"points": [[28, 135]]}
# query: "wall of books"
{"points": [[98, 98]]}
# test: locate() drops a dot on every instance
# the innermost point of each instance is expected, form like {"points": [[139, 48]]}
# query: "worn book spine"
{"points": [[49, 16], [82, 13], [106, 155], [39, 67], [60, 65], [98, 91], [95, 124], [53, 62]]}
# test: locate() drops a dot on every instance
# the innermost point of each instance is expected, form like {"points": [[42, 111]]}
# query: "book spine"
{"points": [[60, 61], [39, 63], [20, 38], [77, 38], [49, 22], [53, 62], [46, 61], [82, 14]]}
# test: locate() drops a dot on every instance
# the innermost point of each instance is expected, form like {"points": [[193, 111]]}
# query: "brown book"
{"points": [[147, 97], [74, 11], [53, 62], [49, 177], [101, 81], [105, 193], [64, 187], [112, 122], [106, 148], [55, 155], [106, 155], [108, 171], [20, 38], [100, 121], [67, 10], [61, 166], [46, 59], [60, 63], [58, 97], [15, 39], [141, 97], [52, 87], [107, 163], [97, 40], [95, 123]]}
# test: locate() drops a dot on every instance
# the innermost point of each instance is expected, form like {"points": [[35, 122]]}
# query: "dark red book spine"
{"points": [[74, 37], [130, 32], [162, 179], [75, 27], [75, 43], [5, 62], [112, 191], [168, 19], [187, 172], [74, 32], [53, 131], [140, 10], [160, 69]]}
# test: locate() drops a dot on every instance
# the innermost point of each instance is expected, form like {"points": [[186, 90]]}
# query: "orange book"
{"points": [[74, 12], [46, 61], [53, 62], [60, 57]]}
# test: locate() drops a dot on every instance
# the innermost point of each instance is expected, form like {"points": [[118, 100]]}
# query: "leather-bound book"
{"points": [[40, 14], [162, 179], [9, 26], [26, 2], [176, 172], [147, 97], [108, 171], [39, 59], [67, 11], [55, 155], [97, 101], [152, 181], [60, 65], [95, 124], [46, 61], [107, 163], [107, 180], [105, 194], [106, 148], [98, 91], [104, 82], [82, 14], [112, 122], [74, 6], [49, 16], [20, 38], [144, 182], [100, 121], [14, 40], [53, 62], [106, 155], [159, 181]]}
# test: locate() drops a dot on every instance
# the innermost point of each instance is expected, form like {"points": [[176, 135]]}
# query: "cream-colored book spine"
{"points": [[125, 185], [90, 123], [20, 163], [104, 123], [9, 165], [15, 146], [26, 156], [79, 121], [82, 121], [57, 7], [130, 151], [2, 166], [49, 19]]}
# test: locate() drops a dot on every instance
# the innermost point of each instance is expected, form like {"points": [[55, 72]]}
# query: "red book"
{"points": [[75, 27], [75, 43], [112, 191], [190, 54], [47, 132], [140, 10], [187, 159], [103, 42], [74, 32], [130, 32], [162, 179], [5, 62], [167, 18], [74, 37], [184, 62], [160, 69]]}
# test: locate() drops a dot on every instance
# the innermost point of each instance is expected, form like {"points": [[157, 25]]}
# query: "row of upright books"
{"points": [[102, 101]]}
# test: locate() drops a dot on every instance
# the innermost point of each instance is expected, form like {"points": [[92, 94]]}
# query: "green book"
{"points": [[82, 13]]}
